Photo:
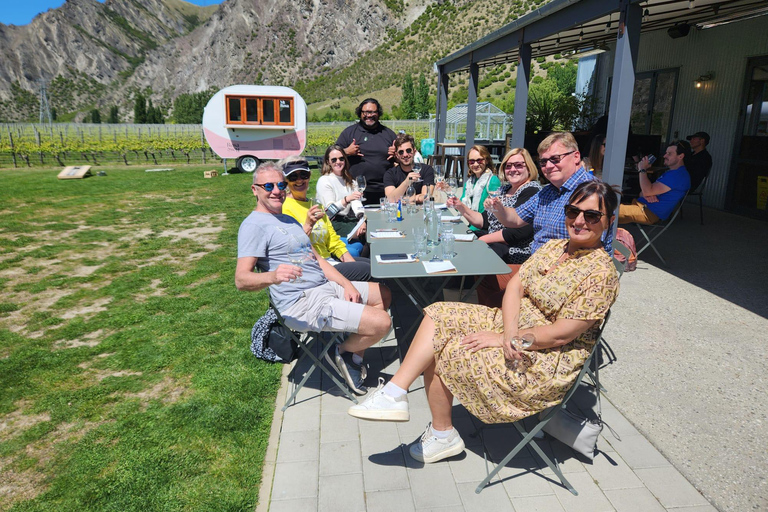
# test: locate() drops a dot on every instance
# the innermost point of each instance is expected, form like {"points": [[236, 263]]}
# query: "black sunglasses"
{"points": [[337, 159], [298, 175], [269, 187], [591, 216], [555, 159], [404, 151]]}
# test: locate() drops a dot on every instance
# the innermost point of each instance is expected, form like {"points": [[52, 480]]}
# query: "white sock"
{"points": [[441, 434], [357, 359], [393, 390]]}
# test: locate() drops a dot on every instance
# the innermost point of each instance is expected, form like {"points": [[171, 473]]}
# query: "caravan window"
{"points": [[253, 110]]}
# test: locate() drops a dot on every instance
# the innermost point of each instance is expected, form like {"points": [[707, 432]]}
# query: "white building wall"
{"points": [[714, 108]]}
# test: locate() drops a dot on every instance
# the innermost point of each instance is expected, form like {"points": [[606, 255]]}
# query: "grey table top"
{"points": [[473, 258]]}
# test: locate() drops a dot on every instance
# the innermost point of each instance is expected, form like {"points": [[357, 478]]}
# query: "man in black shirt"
{"points": [[370, 148], [700, 162], [397, 179]]}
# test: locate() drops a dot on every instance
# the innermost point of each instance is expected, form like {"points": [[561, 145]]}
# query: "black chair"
{"points": [[699, 192]]}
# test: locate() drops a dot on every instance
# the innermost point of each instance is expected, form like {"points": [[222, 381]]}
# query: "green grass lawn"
{"points": [[126, 379]]}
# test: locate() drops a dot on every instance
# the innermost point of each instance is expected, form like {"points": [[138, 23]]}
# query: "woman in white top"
{"points": [[336, 192]]}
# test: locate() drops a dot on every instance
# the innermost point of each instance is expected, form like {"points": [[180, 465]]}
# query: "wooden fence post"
{"points": [[13, 150]]}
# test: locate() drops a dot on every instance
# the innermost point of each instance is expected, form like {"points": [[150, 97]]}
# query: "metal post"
{"points": [[624, 64], [442, 105], [471, 113], [521, 96]]}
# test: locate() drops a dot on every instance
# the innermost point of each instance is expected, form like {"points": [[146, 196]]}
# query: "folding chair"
{"points": [[700, 193], [306, 347], [653, 231], [528, 436]]}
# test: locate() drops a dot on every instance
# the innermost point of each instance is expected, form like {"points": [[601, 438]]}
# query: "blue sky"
{"points": [[21, 12]]}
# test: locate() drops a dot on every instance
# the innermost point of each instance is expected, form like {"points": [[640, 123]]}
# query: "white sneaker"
{"points": [[432, 449], [382, 407]]}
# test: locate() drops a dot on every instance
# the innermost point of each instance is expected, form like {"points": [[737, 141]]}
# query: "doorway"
{"points": [[748, 184]]}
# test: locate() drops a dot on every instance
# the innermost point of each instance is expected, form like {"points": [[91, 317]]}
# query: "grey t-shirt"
{"points": [[269, 238]]}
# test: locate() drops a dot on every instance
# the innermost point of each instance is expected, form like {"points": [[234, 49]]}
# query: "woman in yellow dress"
{"points": [[558, 299]]}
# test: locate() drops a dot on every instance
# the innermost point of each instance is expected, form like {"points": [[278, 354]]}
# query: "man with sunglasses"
{"points": [[398, 178], [658, 199], [560, 162], [313, 296], [369, 146]]}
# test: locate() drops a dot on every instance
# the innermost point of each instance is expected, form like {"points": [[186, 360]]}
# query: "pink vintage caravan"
{"points": [[254, 122]]}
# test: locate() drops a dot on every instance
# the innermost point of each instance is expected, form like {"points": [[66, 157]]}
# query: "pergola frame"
{"points": [[561, 26]]}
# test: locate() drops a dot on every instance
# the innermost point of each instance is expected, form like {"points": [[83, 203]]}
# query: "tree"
{"points": [[422, 98], [114, 115], [95, 116], [188, 107], [140, 109], [408, 104], [564, 77], [550, 109]]}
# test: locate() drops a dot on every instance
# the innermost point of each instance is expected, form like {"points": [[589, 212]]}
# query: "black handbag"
{"points": [[272, 341]]}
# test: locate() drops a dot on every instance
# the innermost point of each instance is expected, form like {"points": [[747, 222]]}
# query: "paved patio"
{"points": [[689, 380], [320, 458]]}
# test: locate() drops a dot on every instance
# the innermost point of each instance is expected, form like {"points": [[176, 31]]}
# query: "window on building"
{"points": [[259, 111]]}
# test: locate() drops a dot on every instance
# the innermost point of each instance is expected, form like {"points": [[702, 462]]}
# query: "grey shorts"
{"points": [[324, 309]]}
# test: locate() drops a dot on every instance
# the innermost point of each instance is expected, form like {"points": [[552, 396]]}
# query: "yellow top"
{"points": [[323, 237]]}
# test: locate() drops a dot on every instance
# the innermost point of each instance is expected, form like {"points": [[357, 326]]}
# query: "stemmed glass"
{"points": [[522, 343], [361, 184], [451, 192], [417, 168], [297, 255], [410, 194], [493, 187], [439, 174]]}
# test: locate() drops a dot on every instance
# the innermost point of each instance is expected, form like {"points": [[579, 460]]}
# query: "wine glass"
{"points": [[297, 255], [439, 174], [493, 187], [521, 343], [417, 168], [361, 184], [451, 192]]}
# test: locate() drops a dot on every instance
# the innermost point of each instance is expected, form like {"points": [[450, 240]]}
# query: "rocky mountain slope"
{"points": [[98, 55]]}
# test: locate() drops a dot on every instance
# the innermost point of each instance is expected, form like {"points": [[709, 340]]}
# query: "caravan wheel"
{"points": [[247, 163]]}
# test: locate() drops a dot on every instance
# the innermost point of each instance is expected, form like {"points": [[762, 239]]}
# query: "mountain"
{"points": [[96, 55]]}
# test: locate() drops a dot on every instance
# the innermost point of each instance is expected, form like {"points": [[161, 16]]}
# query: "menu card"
{"points": [[439, 267]]}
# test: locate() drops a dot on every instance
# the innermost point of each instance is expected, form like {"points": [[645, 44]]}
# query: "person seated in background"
{"points": [[398, 178], [481, 173], [337, 193], [700, 162], [658, 199], [560, 162], [594, 162], [513, 245], [313, 296], [316, 224], [557, 302]]}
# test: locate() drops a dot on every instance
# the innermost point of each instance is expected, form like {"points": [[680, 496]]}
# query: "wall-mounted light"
{"points": [[699, 82], [557, 41], [646, 15], [581, 35]]}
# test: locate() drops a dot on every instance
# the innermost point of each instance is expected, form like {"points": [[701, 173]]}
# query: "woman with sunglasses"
{"points": [[513, 245], [337, 194], [316, 224], [398, 178], [481, 171], [474, 353]]}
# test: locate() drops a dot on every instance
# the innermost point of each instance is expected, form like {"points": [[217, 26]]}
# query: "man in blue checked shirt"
{"points": [[560, 162]]}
